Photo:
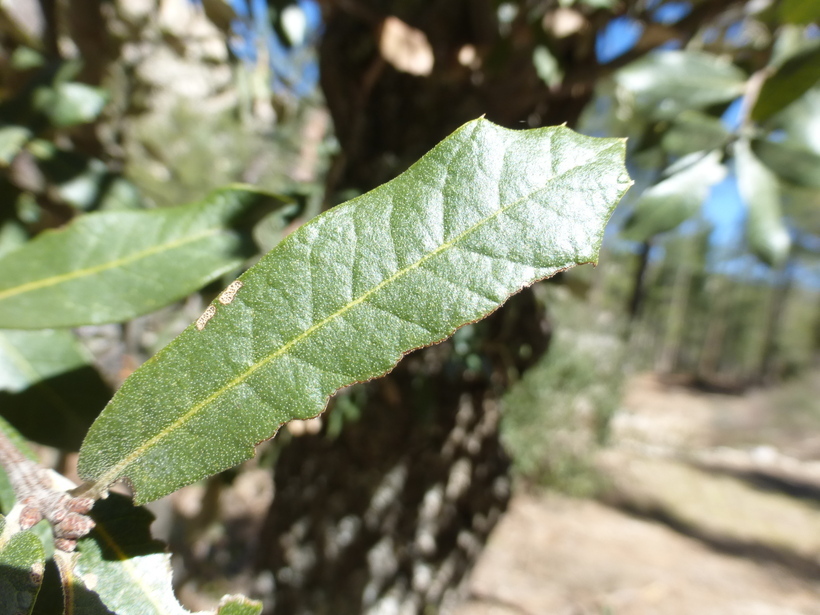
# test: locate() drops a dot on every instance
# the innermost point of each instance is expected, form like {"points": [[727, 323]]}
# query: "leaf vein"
{"points": [[113, 264]]}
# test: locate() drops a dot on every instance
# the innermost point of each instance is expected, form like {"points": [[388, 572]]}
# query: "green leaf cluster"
{"points": [[671, 101], [43, 169]]}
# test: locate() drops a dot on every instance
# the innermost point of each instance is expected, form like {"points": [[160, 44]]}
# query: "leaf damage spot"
{"points": [[206, 316], [229, 293]]}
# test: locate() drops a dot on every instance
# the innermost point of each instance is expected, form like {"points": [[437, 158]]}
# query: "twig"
{"points": [[40, 499], [753, 86]]}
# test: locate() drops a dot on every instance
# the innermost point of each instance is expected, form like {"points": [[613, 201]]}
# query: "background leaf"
{"points": [[76, 597], [677, 198], [790, 161], [113, 266], [128, 570], [666, 83], [800, 11], [485, 213], [694, 132], [238, 605], [7, 496], [69, 103], [767, 236], [12, 236], [22, 563], [798, 126], [12, 140], [790, 81], [49, 389]]}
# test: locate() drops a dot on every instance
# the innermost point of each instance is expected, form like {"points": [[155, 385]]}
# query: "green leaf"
{"points": [[113, 266], [12, 140], [790, 162], [802, 205], [485, 213], [25, 58], [800, 122], [239, 605], [677, 198], [84, 186], [547, 66], [12, 236], [694, 132], [122, 563], [22, 563], [7, 497], [49, 389], [789, 82], [28, 357], [766, 234], [128, 570], [77, 179], [667, 83], [120, 195], [17, 439], [800, 11], [83, 182], [71, 103], [790, 40], [76, 597]]}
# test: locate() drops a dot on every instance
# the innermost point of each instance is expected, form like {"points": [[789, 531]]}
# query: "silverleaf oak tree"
{"points": [[395, 508], [339, 301]]}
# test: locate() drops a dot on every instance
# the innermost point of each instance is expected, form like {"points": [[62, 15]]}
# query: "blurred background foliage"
{"points": [[710, 269]]}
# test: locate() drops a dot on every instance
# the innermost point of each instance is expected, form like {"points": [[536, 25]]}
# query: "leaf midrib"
{"points": [[117, 470], [114, 264]]}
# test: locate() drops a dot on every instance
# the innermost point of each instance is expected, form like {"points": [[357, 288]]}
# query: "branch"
{"points": [[39, 498]]}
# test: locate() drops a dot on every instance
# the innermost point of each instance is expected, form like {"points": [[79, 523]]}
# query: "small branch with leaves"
{"points": [[40, 497]]}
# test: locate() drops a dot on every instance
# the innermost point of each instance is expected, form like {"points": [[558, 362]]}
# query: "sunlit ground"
{"points": [[709, 505]]}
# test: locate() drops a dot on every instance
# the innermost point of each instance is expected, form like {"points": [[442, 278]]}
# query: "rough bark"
{"points": [[393, 513]]}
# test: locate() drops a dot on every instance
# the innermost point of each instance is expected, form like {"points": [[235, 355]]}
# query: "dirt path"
{"points": [[713, 510]]}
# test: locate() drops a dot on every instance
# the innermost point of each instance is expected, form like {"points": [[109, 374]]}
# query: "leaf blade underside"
{"points": [[342, 299], [120, 569]]}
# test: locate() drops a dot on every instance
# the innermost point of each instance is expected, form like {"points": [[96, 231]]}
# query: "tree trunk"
{"points": [[394, 511], [391, 515], [638, 286], [780, 290]]}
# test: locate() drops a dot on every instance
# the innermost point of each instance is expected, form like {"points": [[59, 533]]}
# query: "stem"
{"points": [[40, 499], [753, 86]]}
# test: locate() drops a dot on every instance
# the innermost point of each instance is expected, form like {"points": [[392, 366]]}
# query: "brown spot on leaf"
{"points": [[206, 316], [229, 293]]}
